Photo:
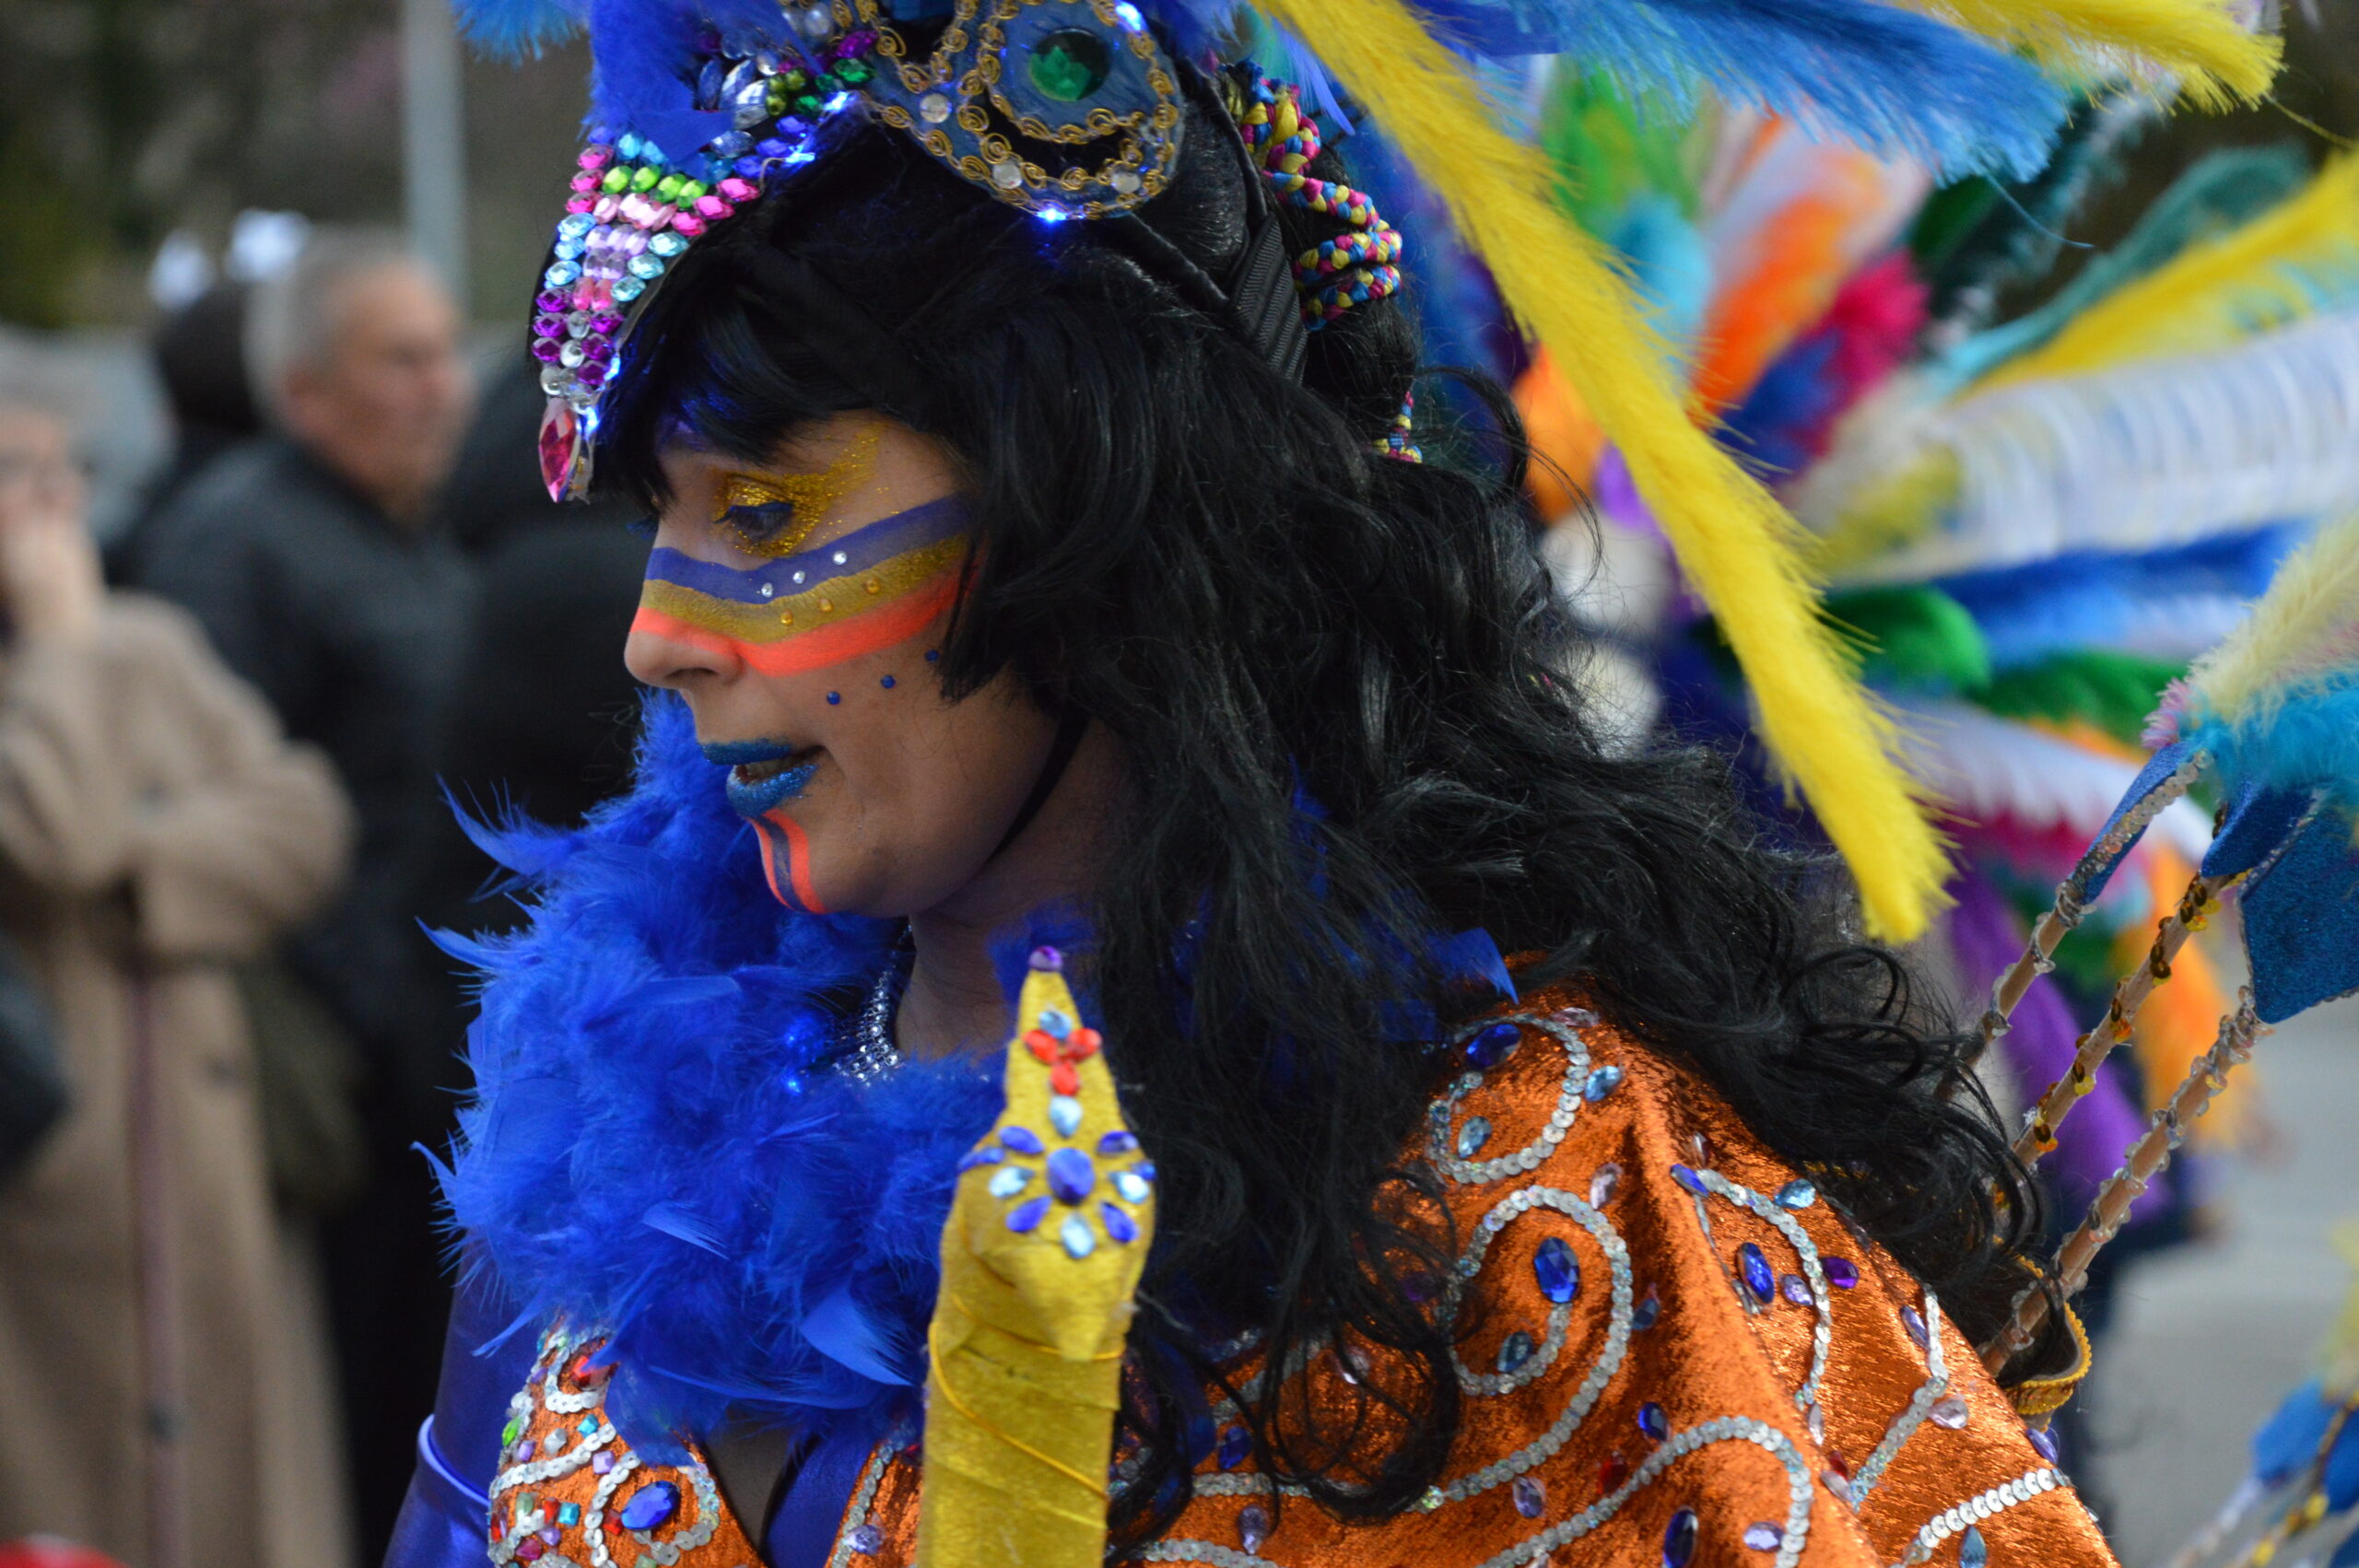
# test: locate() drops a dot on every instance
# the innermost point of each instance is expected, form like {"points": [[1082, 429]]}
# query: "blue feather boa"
{"points": [[648, 1147]]}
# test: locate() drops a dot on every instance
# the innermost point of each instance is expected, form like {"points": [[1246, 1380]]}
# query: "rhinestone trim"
{"points": [[1444, 1139], [1975, 1509], [864, 1497], [1904, 1425], [1806, 1250]]}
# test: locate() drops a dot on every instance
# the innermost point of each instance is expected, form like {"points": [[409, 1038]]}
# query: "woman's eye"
{"points": [[766, 528]]}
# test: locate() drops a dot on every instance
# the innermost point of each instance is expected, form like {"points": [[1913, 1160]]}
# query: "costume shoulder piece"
{"points": [[1677, 1351]]}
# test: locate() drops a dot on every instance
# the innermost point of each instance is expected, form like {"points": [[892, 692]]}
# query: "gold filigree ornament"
{"points": [[1068, 109]]}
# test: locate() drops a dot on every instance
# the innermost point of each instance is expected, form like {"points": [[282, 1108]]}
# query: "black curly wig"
{"points": [[1349, 700]]}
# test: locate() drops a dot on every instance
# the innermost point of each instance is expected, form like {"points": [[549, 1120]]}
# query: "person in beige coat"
{"points": [[163, 1384]]}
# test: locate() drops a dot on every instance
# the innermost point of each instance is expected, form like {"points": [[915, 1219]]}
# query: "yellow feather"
{"points": [[2302, 624], [2199, 42], [1736, 545], [2219, 292]]}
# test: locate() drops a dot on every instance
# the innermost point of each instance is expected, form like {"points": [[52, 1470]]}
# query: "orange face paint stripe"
{"points": [[815, 649], [774, 826]]}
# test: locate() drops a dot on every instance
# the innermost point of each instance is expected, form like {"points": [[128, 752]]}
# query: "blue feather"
{"points": [[514, 29], [649, 1149], [1887, 78], [2085, 598]]}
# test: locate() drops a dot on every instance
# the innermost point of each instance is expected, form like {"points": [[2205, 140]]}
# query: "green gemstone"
{"points": [[644, 179], [668, 188], [1069, 65], [512, 1432], [774, 97], [852, 73], [689, 190], [617, 180], [794, 80], [808, 104]]}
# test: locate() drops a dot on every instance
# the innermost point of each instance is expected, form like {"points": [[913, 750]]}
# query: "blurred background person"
{"points": [[198, 352], [162, 1366], [314, 559]]}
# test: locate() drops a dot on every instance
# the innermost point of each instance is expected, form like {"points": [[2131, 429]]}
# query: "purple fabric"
{"points": [[1987, 935]]}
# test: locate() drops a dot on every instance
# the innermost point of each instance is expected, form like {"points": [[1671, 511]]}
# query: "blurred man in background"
{"points": [[163, 1372], [312, 558]]}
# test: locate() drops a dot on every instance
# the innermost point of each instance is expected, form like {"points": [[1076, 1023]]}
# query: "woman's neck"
{"points": [[953, 1001]]}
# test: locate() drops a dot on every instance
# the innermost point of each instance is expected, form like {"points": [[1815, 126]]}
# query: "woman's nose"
{"points": [[662, 651]]}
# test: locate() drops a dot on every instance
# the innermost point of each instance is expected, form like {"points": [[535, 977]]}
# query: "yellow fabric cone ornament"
{"points": [[1045, 1239]]}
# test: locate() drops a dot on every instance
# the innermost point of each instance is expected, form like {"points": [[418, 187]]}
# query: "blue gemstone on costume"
{"points": [[1116, 1142], [1973, 1551], [1841, 1272], [1529, 1496], [986, 1155], [1602, 1082], [1472, 1136], [650, 1506], [568, 1514], [1649, 1309], [1054, 1024], [1797, 1194], [1025, 1217], [2045, 1441], [1796, 1289], [1023, 1140], [1653, 1421], [1064, 1115], [1493, 1045], [1915, 1323], [1687, 1179], [1759, 1278], [748, 168], [1764, 1536], [1120, 1227], [1009, 1182], [1236, 1443], [1679, 1539], [1145, 1169], [1071, 1175], [1515, 1350], [1079, 1239], [1559, 1275]]}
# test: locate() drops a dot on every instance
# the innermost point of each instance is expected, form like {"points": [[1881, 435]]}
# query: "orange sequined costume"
{"points": [[1682, 1355]]}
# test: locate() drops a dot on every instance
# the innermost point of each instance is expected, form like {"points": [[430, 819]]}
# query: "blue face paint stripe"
{"points": [[862, 548]]}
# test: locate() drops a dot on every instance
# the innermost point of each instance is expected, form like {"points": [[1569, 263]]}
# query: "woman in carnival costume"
{"points": [[1028, 1072]]}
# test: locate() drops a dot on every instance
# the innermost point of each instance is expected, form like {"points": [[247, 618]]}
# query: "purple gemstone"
{"points": [[1653, 1421], [1071, 1175], [1235, 1443], [1047, 958], [545, 349], [597, 351], [748, 168], [650, 1506], [1679, 1539], [2043, 1440], [867, 1541], [601, 1462], [593, 371], [986, 1155], [549, 299], [1604, 1183], [1493, 1045], [1559, 1275], [549, 323], [1529, 1496], [773, 147], [1759, 1278], [1915, 1323], [1026, 1216], [1797, 1289], [523, 1449], [1022, 1140], [1650, 1307], [1764, 1536], [1121, 1228], [605, 326], [1687, 1179], [1116, 1142], [1252, 1526], [1841, 1272], [1950, 1410]]}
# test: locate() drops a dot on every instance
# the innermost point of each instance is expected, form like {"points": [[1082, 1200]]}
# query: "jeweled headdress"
{"points": [[1072, 110]]}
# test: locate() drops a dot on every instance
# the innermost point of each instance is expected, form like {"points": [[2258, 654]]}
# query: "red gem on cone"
{"points": [[560, 446], [1081, 1044], [1041, 1043], [1063, 1079]]}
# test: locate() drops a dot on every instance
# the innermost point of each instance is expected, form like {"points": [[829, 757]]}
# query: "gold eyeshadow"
{"points": [[750, 503]]}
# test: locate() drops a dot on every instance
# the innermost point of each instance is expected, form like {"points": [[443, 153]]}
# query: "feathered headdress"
{"points": [[1070, 109]]}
